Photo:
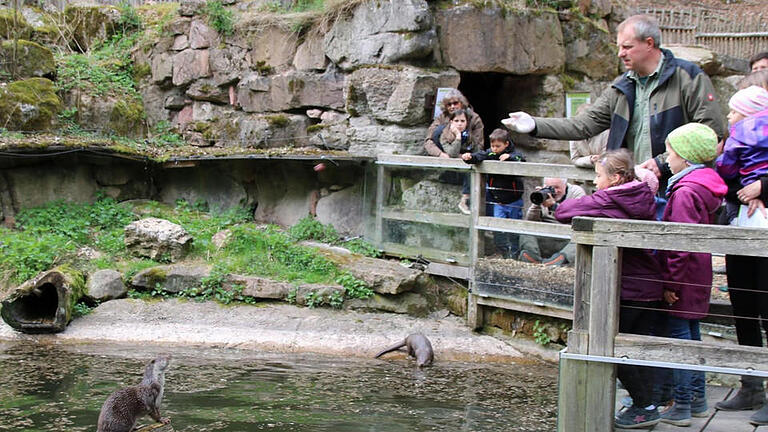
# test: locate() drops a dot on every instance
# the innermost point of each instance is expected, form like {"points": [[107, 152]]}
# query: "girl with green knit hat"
{"points": [[694, 194]]}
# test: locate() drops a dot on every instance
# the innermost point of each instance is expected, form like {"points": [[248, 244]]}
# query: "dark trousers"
{"points": [[638, 380], [748, 289]]}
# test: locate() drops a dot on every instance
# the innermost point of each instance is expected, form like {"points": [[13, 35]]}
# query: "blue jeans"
{"points": [[505, 242], [688, 383]]}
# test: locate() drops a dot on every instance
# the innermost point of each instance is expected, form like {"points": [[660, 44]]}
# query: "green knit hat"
{"points": [[694, 142]]}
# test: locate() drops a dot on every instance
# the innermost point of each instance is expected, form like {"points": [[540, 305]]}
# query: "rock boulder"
{"points": [[105, 285], [157, 239], [171, 278]]}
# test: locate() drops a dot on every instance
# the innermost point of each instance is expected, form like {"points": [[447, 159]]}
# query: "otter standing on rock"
{"points": [[123, 407], [417, 346]]}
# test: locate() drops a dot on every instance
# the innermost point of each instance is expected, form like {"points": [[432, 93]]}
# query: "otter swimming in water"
{"points": [[417, 346], [123, 407]]}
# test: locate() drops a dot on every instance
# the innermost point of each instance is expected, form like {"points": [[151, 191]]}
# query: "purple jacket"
{"points": [[693, 199], [634, 200], [745, 153]]}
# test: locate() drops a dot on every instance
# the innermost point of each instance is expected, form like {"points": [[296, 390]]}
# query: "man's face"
{"points": [[559, 187], [636, 55], [760, 65]]}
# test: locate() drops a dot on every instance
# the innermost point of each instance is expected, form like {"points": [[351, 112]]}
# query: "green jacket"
{"points": [[684, 94]]}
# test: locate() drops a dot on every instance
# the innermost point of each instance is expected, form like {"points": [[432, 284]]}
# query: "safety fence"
{"points": [[587, 387], [416, 216], [735, 35]]}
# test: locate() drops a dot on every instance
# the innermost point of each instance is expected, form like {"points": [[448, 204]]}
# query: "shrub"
{"points": [[219, 17]]}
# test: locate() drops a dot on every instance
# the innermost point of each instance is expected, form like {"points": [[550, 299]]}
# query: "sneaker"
{"points": [[556, 260], [678, 415], [626, 401], [636, 418], [463, 207], [699, 407], [760, 417], [528, 257]]}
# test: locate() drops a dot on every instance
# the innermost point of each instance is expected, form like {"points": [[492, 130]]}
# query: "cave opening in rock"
{"points": [[39, 306], [494, 95]]}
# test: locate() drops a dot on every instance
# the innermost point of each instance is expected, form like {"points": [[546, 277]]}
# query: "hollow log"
{"points": [[44, 303]]}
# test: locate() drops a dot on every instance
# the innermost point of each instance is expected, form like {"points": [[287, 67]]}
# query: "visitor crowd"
{"points": [[695, 165]]}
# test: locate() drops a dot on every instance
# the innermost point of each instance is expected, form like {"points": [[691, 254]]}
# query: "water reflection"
{"points": [[53, 388]]}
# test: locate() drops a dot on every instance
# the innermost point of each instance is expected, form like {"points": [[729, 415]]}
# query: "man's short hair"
{"points": [[644, 26], [499, 135], [757, 57], [562, 180]]}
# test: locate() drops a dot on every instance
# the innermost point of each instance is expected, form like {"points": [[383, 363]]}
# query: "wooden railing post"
{"points": [[476, 246]]}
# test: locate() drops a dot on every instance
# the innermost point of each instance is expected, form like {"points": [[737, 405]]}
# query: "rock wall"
{"points": [[364, 80]]}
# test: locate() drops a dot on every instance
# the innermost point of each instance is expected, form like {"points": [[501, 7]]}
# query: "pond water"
{"points": [[46, 387]]}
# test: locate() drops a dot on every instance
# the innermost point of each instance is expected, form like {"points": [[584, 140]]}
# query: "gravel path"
{"points": [[275, 328]]}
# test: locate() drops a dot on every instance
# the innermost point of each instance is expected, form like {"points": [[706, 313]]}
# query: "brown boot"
{"points": [[750, 396]]}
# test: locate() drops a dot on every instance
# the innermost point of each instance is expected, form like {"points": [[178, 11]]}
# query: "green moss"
{"points": [[263, 68], [277, 120], [17, 98], [567, 81], [295, 85], [156, 276], [316, 128], [127, 117], [32, 59], [13, 25], [89, 22], [141, 71]]}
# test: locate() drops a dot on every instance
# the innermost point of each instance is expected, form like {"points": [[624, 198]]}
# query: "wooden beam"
{"points": [[670, 236], [531, 169], [543, 229], [423, 162], [448, 270], [690, 352], [581, 292], [428, 253], [448, 219], [525, 306]]}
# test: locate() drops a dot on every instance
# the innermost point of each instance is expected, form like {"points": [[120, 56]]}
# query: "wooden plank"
{"points": [[428, 253], [543, 229], [601, 394], [382, 181], [531, 169], [572, 396], [448, 219], [581, 290], [670, 236], [423, 161], [522, 306], [690, 352], [604, 295], [474, 312], [448, 270]]}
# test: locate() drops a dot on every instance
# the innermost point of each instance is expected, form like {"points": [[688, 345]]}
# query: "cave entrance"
{"points": [[494, 95]]}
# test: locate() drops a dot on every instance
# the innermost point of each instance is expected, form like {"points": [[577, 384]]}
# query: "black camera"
{"points": [[538, 197]]}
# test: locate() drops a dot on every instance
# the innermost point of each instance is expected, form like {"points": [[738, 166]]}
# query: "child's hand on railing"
{"points": [[504, 157], [466, 156], [670, 297]]}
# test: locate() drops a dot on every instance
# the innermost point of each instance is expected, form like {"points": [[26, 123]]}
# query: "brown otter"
{"points": [[123, 407], [417, 346]]}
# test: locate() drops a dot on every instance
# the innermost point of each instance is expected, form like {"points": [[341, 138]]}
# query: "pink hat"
{"points": [[749, 101]]}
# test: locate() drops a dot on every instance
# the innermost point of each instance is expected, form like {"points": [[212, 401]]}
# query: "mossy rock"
{"points": [[33, 59], [13, 25], [30, 104], [127, 118], [90, 23]]}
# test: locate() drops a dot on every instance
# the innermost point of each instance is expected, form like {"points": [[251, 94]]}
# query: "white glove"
{"points": [[519, 122]]}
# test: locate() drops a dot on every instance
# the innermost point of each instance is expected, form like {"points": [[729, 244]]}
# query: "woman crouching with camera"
{"points": [[621, 195]]}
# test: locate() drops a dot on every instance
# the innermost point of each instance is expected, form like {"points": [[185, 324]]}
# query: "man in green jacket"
{"points": [[657, 94]]}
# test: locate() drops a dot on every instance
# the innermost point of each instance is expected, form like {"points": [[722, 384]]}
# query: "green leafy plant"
{"points": [[362, 247], [336, 300], [81, 309], [355, 288], [219, 17], [291, 297], [129, 21], [539, 334], [309, 228], [165, 135], [313, 299]]}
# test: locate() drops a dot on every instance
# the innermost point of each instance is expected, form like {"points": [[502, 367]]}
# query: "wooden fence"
{"points": [[463, 263], [587, 388], [739, 36]]}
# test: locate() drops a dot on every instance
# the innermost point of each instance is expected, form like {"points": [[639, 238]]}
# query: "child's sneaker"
{"points": [[636, 418], [699, 407], [678, 415]]}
